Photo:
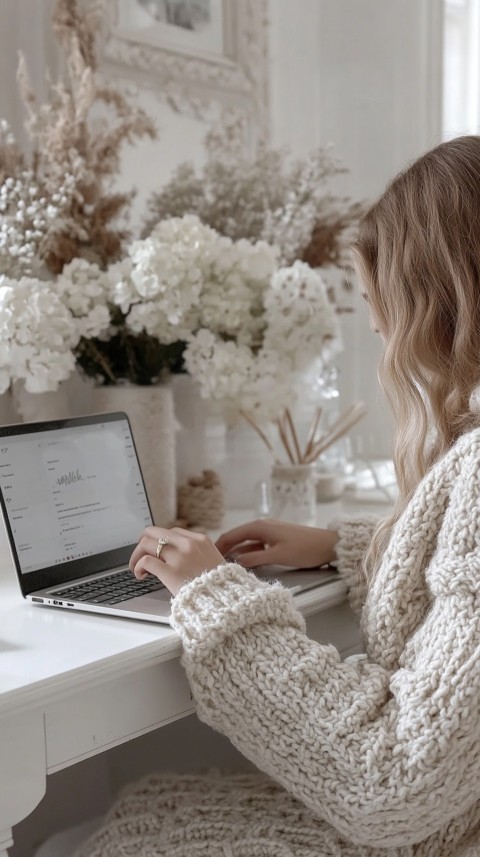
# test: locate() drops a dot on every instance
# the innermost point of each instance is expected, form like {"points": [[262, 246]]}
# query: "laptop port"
{"points": [[57, 603], [40, 600], [69, 604]]}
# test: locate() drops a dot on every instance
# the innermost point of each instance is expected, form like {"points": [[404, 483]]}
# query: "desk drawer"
{"points": [[95, 719]]}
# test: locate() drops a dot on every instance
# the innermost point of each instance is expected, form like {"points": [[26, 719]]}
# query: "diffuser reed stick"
{"points": [[318, 440]]}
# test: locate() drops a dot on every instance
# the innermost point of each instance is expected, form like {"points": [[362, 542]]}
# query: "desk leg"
{"points": [[23, 770], [6, 840]]}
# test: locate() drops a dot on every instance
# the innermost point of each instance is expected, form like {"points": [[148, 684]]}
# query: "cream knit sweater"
{"points": [[379, 755]]}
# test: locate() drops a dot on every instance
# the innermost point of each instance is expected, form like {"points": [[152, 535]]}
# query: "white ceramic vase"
{"points": [[201, 430], [151, 415]]}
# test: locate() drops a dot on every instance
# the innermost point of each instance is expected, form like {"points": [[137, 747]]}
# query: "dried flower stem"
{"points": [[270, 197], [75, 156], [87, 346]]}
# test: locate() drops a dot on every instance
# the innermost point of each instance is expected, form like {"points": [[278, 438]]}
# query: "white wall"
{"points": [[362, 74], [24, 26]]}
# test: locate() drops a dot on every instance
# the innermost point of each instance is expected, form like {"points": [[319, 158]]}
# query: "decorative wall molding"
{"points": [[237, 81]]}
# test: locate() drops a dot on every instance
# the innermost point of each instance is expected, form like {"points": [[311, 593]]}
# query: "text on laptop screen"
{"points": [[72, 492]]}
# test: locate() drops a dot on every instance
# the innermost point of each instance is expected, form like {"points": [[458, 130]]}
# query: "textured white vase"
{"points": [[9, 412], [36, 407], [72, 399], [151, 415]]}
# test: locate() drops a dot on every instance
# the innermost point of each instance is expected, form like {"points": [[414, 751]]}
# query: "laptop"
{"points": [[74, 506]]}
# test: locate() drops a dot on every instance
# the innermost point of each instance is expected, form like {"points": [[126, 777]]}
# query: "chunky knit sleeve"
{"points": [[355, 534], [386, 750]]}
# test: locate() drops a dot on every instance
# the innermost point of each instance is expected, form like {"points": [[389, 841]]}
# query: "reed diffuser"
{"points": [[294, 489]]}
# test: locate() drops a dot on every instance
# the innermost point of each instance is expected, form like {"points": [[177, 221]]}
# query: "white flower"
{"points": [[121, 290], [290, 325], [219, 367], [95, 323], [192, 277], [84, 286], [300, 314], [169, 266], [28, 220], [47, 369], [85, 290], [38, 335], [151, 317]]}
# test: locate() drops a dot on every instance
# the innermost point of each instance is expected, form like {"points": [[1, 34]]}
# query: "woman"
{"points": [[378, 755]]}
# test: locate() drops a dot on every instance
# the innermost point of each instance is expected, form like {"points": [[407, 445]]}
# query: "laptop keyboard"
{"points": [[111, 589]]}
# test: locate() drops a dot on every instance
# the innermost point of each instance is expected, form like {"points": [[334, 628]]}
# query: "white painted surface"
{"points": [[22, 767], [156, 696]]}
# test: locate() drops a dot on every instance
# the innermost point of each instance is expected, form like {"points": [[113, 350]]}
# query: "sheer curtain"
{"points": [[461, 68]]}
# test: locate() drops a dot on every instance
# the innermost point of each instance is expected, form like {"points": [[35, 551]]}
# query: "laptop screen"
{"points": [[71, 491]]}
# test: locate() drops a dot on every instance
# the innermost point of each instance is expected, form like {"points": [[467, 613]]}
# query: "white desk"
{"points": [[73, 685]]}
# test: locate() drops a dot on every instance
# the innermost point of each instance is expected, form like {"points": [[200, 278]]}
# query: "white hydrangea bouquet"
{"points": [[183, 299], [222, 310]]}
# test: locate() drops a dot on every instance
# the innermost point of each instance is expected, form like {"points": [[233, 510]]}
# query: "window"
{"points": [[461, 68]]}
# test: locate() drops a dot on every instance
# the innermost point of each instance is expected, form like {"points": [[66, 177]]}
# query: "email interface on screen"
{"points": [[72, 492]]}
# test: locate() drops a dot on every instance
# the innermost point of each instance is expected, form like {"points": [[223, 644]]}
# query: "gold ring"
{"points": [[161, 544]]}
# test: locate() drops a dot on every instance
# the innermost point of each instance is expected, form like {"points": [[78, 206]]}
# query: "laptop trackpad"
{"points": [[147, 603]]}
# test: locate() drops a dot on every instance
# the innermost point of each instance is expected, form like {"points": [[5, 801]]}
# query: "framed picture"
{"points": [[195, 52], [188, 26]]}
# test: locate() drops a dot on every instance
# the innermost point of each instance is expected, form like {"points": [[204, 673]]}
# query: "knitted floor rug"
{"points": [[212, 815]]}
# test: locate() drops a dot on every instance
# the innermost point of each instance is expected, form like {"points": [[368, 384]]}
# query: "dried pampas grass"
{"points": [[70, 139]]}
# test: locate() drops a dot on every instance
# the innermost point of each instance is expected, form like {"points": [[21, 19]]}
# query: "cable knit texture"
{"points": [[211, 815], [355, 535], [378, 757]]}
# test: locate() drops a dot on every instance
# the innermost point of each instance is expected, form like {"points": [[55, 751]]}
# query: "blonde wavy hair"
{"points": [[417, 256]]}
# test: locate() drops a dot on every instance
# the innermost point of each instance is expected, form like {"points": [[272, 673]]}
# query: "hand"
{"points": [[270, 542], [187, 555]]}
